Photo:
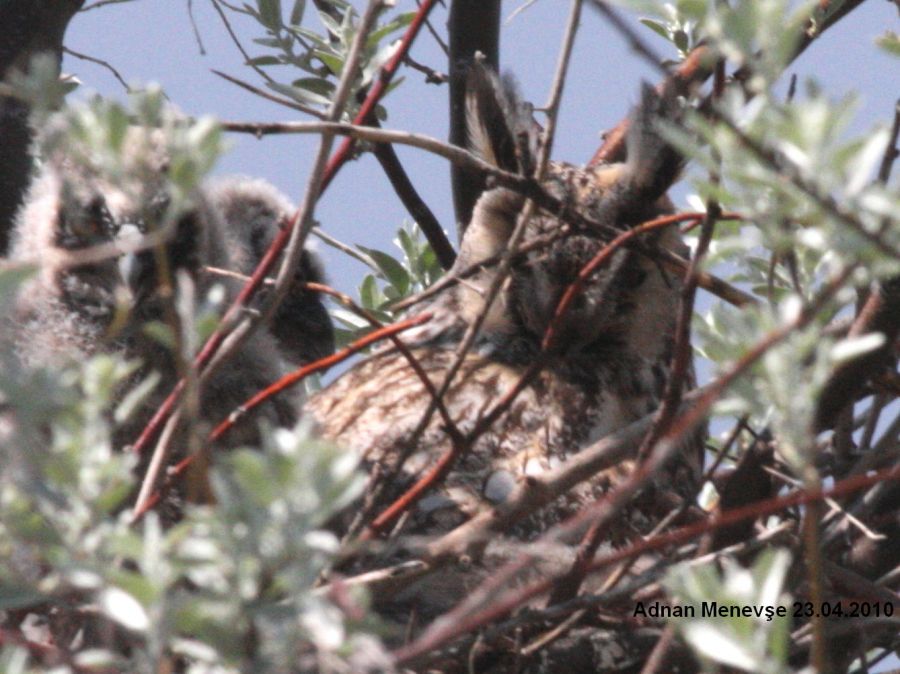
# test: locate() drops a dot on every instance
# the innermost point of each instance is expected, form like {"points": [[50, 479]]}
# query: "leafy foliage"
{"points": [[320, 57], [415, 270]]}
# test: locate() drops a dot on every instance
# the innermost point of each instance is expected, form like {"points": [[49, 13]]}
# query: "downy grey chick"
{"points": [[254, 211]]}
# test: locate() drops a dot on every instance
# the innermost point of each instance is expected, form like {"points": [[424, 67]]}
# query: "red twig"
{"points": [[523, 502], [668, 410], [286, 382], [377, 91], [280, 241], [550, 335]]}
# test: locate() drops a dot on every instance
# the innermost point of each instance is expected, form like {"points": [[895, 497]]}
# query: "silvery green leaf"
{"points": [[124, 609], [854, 347]]}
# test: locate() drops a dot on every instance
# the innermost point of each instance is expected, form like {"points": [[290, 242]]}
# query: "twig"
{"points": [[891, 152], [151, 499], [681, 360], [385, 75], [417, 208], [286, 102], [432, 76], [344, 248], [237, 43], [226, 340], [445, 630], [99, 62]]}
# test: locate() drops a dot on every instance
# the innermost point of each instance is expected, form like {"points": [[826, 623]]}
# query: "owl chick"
{"points": [[253, 211], [67, 312], [608, 367]]}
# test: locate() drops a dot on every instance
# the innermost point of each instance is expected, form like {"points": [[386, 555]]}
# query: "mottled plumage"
{"points": [[69, 313], [254, 211], [608, 367]]}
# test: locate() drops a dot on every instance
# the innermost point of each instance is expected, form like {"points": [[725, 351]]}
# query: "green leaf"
{"points": [[270, 13], [332, 61], [315, 84], [393, 271], [890, 42], [297, 12], [368, 292], [264, 61], [273, 42], [299, 95], [399, 21], [657, 27]]}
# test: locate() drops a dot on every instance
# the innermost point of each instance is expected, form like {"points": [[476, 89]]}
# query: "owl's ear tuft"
{"points": [[653, 164], [500, 124]]}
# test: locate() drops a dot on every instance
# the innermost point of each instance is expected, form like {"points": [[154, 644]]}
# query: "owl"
{"points": [[69, 313], [607, 367], [253, 211]]}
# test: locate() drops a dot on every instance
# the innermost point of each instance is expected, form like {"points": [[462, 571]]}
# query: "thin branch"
{"points": [[237, 43], [151, 499], [891, 152], [280, 100], [415, 205], [668, 410], [446, 630], [226, 340], [367, 260], [379, 88], [101, 63]]}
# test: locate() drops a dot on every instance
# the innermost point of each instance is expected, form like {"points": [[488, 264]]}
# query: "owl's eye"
{"points": [[154, 214], [81, 225], [99, 219]]}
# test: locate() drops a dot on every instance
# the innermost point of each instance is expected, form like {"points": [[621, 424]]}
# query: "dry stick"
{"points": [[230, 336], [540, 490], [777, 162], [607, 597], [237, 43], [381, 331], [291, 379], [445, 462], [287, 236], [321, 365], [102, 64], [515, 182], [286, 102]]}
